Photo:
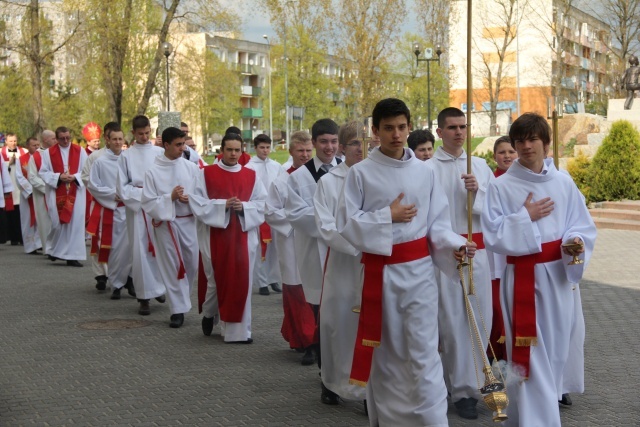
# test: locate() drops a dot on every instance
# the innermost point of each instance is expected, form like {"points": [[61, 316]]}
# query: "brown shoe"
{"points": [[144, 307]]}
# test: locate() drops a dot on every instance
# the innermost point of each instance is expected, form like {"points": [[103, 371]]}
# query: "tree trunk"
{"points": [[155, 66], [35, 64]]}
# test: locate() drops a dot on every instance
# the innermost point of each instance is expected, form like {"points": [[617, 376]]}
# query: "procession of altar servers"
{"points": [[166, 223]]}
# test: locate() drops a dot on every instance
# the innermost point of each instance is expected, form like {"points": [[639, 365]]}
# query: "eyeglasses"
{"points": [[355, 143]]}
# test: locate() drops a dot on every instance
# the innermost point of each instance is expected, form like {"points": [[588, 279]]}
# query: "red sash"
{"points": [[101, 237], [24, 160], [65, 193], [524, 300], [265, 239], [370, 322], [229, 247], [182, 271], [477, 238]]}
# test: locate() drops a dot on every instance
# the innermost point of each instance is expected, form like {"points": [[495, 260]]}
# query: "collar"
{"points": [[234, 168], [382, 159], [548, 171], [317, 163], [440, 154]]}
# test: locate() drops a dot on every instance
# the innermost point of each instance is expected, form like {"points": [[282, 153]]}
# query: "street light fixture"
{"points": [[428, 58], [270, 108], [167, 49]]}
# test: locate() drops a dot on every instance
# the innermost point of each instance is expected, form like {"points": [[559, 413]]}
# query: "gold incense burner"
{"points": [[494, 395]]}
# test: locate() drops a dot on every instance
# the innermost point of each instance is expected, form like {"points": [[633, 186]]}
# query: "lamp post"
{"points": [[167, 48], [428, 57], [286, 73], [270, 109]]}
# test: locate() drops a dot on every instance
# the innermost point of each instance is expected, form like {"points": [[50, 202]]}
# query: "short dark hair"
{"points": [[420, 136], [389, 108], [170, 134], [183, 125], [233, 129], [111, 127], [261, 139], [31, 138], [140, 122], [529, 125], [231, 136], [503, 139], [322, 127], [448, 112], [61, 129]]}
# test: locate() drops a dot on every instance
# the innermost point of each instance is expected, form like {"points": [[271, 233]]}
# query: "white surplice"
{"points": [[213, 213], [102, 182], [311, 253], [99, 269], [406, 385], [341, 290], [65, 241], [266, 271], [510, 231], [12, 172], [5, 179], [42, 215], [174, 226], [133, 163], [281, 230], [30, 237], [456, 346]]}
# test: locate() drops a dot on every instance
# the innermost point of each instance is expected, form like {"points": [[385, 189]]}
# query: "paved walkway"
{"points": [[55, 371]]}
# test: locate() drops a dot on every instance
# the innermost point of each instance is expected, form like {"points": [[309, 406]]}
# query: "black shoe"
{"points": [[264, 291], [161, 299], [366, 409], [52, 258], [35, 252], [328, 397], [276, 288], [309, 357], [144, 307], [466, 408], [566, 400], [115, 294], [74, 263], [207, 326], [247, 341], [176, 320], [101, 283], [129, 287]]}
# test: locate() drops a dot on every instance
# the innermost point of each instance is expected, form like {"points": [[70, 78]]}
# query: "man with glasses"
{"points": [[66, 197], [450, 166]]}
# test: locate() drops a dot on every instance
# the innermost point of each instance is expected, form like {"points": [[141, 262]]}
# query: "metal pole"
{"points": [[518, 59], [286, 80], [270, 105], [469, 115], [168, 93], [556, 149], [429, 94]]}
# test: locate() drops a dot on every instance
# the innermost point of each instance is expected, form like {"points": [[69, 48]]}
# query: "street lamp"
{"points": [[286, 73], [428, 57], [270, 109], [167, 48]]}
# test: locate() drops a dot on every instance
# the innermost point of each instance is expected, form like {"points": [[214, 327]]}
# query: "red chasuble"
{"points": [[65, 193], [229, 247]]}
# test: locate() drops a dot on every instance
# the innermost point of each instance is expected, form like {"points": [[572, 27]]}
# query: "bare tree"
{"points": [[624, 18]]}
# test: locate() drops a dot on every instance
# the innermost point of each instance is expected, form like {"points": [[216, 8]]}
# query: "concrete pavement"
{"points": [[71, 356]]}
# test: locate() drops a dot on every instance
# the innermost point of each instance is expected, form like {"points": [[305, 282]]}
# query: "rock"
{"points": [[485, 146]]}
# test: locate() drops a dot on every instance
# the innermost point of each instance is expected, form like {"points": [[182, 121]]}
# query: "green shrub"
{"points": [[488, 156], [569, 147], [614, 173], [578, 168]]}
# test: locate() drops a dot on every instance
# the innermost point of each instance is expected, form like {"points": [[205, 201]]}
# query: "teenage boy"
{"points": [[30, 237], [449, 164], [311, 252], [38, 194], [229, 200], [421, 142], [342, 284], [165, 198], [267, 271], [395, 212], [530, 212], [109, 224], [132, 166], [298, 322]]}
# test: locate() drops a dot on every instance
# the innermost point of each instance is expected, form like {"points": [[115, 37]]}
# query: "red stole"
{"points": [[102, 237], [370, 321], [37, 158], [5, 152], [524, 329], [65, 193], [229, 247], [24, 160]]}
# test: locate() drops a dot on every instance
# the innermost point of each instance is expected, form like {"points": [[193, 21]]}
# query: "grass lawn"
{"points": [[281, 156]]}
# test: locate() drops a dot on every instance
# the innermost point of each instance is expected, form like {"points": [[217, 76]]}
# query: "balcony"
{"points": [[252, 113], [246, 69], [253, 91]]}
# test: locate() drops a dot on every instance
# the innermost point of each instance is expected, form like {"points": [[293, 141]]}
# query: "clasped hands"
{"points": [[178, 194], [235, 204], [67, 178]]}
